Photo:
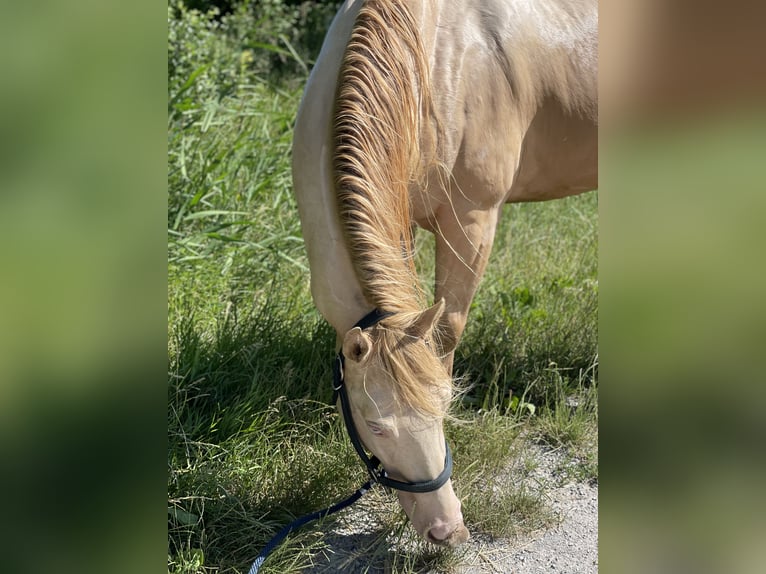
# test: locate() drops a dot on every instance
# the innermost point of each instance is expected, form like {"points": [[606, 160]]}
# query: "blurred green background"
{"points": [[83, 205]]}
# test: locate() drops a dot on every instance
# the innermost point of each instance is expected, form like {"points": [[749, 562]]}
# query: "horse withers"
{"points": [[434, 113]]}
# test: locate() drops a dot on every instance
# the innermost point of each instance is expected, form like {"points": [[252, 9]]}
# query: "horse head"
{"points": [[398, 393]]}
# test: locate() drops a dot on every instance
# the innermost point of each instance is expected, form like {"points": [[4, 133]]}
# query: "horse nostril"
{"points": [[447, 535], [439, 535]]}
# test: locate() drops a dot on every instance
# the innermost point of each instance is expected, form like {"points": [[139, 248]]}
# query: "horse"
{"points": [[432, 113]]}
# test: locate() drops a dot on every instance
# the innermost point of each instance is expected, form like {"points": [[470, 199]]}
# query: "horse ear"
{"points": [[356, 345], [427, 320]]}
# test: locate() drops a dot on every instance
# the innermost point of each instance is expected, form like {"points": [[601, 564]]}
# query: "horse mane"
{"points": [[376, 137], [382, 95]]}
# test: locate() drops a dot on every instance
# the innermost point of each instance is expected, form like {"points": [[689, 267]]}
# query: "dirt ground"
{"points": [[569, 546]]}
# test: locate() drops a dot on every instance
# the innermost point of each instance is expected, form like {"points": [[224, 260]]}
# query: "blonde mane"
{"points": [[383, 92], [376, 136]]}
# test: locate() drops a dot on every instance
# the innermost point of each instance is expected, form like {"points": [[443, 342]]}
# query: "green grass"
{"points": [[570, 422], [252, 442]]}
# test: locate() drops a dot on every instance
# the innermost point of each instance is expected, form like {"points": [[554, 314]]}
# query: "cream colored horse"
{"points": [[433, 113]]}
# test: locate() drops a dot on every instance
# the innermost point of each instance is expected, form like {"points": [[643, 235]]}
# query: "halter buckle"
{"points": [[338, 375]]}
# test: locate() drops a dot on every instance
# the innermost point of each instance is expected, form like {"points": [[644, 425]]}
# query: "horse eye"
{"points": [[375, 429]]}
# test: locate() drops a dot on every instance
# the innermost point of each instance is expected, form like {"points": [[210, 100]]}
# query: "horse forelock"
{"points": [[382, 87], [418, 376]]}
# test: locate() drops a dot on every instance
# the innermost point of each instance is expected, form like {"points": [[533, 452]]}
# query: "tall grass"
{"points": [[252, 441]]}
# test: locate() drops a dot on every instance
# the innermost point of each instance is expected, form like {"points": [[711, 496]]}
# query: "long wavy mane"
{"points": [[376, 134], [382, 97]]}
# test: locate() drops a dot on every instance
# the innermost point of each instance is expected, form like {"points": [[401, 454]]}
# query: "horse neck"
{"points": [[350, 274], [335, 288]]}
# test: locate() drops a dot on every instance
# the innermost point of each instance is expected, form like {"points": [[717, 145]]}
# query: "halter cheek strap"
{"points": [[374, 467]]}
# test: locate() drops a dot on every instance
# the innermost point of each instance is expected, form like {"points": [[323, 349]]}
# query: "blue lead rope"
{"points": [[282, 534]]}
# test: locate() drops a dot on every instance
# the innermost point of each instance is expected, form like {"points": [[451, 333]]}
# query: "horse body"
{"points": [[435, 113]]}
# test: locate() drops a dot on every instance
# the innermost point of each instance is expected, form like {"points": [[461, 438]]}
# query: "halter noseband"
{"points": [[376, 470]]}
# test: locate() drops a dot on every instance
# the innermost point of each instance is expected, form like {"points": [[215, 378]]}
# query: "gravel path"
{"points": [[570, 546]]}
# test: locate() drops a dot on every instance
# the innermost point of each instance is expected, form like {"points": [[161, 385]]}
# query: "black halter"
{"points": [[377, 472]]}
